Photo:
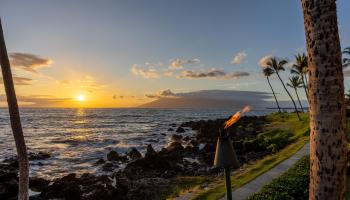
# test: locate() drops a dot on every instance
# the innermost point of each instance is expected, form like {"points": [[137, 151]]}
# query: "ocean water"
{"points": [[76, 138]]}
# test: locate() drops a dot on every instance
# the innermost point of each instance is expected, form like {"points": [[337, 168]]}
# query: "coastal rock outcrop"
{"points": [[114, 156], [134, 154]]}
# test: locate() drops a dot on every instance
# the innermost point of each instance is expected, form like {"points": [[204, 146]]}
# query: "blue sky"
{"points": [[103, 40]]}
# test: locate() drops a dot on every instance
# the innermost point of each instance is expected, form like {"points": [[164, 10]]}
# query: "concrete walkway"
{"points": [[255, 185]]}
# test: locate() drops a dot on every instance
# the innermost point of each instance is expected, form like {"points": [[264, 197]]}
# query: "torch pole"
{"points": [[228, 183]]}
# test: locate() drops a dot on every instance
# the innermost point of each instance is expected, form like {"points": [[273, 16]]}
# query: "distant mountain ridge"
{"points": [[218, 99], [212, 99]]}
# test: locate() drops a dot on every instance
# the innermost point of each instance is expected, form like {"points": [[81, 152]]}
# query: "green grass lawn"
{"points": [[292, 184], [284, 121]]}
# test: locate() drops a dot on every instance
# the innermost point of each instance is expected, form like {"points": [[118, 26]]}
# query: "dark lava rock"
{"points": [[151, 166], [194, 143], [175, 146], [180, 130], [72, 192], [170, 129], [59, 187], [134, 154], [87, 187], [208, 148], [190, 150], [9, 188], [176, 138], [38, 184], [150, 151], [8, 179], [109, 167], [100, 161], [114, 156], [187, 138], [39, 156]]}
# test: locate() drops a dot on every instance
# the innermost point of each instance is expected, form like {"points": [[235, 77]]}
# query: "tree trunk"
{"points": [[15, 120], [301, 106], [305, 78], [295, 106], [273, 92], [304, 86], [328, 153]]}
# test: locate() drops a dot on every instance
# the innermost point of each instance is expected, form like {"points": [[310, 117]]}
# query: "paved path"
{"points": [[256, 184]]}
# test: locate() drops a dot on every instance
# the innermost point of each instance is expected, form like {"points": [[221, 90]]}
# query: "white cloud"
{"points": [[263, 61], [179, 63], [145, 73], [239, 58], [168, 73]]}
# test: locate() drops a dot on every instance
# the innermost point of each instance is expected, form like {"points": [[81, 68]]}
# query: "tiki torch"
{"points": [[225, 155]]}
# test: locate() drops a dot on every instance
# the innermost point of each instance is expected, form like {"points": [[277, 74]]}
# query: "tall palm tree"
{"points": [[15, 120], [300, 68], [328, 153], [296, 82], [277, 66], [346, 61], [267, 73]]}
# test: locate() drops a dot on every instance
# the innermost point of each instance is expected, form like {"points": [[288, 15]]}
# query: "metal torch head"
{"points": [[225, 155]]}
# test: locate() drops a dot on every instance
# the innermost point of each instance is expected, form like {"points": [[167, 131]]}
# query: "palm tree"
{"points": [[296, 82], [278, 65], [328, 153], [15, 120], [268, 72], [346, 61], [300, 68]]}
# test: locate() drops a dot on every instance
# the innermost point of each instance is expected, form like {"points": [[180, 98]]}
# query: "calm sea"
{"points": [[76, 138]]}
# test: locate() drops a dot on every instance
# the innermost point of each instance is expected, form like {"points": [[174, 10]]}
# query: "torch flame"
{"points": [[234, 118]]}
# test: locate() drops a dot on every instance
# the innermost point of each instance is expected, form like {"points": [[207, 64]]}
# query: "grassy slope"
{"points": [[250, 171]]}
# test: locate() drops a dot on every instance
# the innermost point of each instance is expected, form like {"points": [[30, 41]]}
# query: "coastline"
{"points": [[154, 174]]}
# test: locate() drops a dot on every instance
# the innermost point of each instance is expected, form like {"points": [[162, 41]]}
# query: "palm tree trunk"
{"points": [[15, 120], [295, 106], [273, 92], [296, 92], [306, 83], [328, 153], [304, 86]]}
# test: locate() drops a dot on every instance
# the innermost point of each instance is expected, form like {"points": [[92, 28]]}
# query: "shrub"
{"points": [[274, 140], [293, 184]]}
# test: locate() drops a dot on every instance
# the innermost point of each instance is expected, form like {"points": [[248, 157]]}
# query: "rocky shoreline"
{"points": [[146, 176]]}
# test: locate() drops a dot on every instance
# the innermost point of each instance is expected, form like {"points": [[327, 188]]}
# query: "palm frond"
{"points": [[295, 82], [268, 71]]}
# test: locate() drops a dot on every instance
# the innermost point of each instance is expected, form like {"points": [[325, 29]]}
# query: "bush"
{"points": [[272, 141], [293, 184]]}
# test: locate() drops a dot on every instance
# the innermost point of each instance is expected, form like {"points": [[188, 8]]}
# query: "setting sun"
{"points": [[80, 98]]}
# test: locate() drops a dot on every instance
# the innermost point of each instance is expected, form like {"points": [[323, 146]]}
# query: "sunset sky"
{"points": [[72, 53]]}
